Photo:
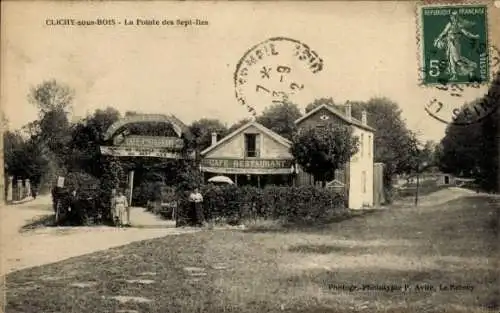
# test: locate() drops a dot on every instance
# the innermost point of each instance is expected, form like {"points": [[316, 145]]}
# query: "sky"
{"points": [[369, 49]]}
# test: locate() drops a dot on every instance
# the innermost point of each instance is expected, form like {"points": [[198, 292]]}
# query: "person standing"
{"points": [[196, 200], [121, 205], [114, 212]]}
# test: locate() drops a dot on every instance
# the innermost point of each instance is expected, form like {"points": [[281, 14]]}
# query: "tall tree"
{"points": [[53, 101], [51, 96], [202, 131], [395, 145], [472, 150], [281, 118], [320, 151], [86, 136]]}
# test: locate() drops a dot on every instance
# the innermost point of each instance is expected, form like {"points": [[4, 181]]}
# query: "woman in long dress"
{"points": [[449, 39], [121, 205]]}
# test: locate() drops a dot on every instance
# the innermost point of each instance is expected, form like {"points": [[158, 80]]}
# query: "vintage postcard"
{"points": [[330, 156]]}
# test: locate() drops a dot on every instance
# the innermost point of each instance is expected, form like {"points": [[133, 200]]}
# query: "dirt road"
{"points": [[27, 248]]}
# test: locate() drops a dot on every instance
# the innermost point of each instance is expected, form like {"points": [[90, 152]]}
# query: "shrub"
{"points": [[84, 207], [288, 204]]}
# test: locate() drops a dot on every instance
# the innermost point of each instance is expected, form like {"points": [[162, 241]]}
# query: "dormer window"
{"points": [[251, 149]]}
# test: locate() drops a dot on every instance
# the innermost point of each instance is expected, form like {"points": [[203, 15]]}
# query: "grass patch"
{"points": [[293, 271]]}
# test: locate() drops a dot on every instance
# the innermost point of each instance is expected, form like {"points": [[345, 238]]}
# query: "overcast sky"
{"points": [[369, 50]]}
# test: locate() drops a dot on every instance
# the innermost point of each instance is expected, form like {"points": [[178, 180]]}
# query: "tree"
{"points": [[23, 159], [394, 144], [51, 96], [86, 137], [202, 131], [281, 118], [320, 151], [472, 150], [238, 124], [319, 102], [52, 130]]}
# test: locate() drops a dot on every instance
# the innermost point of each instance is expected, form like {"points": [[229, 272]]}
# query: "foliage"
{"points": [[319, 102], [111, 178], [320, 151], [289, 204], [281, 118], [51, 96], [188, 178], [84, 206], [24, 159], [86, 136], [202, 131], [238, 124], [472, 150]]}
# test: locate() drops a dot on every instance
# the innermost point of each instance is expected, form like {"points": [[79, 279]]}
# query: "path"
{"points": [[440, 197], [28, 248]]}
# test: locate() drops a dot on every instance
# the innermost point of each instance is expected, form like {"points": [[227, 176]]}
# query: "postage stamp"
{"points": [[454, 44], [456, 56], [273, 71]]}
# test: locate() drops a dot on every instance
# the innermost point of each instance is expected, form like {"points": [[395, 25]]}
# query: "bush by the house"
{"points": [[288, 204]]}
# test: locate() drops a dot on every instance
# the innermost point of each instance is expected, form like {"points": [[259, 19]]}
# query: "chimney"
{"points": [[363, 117], [214, 138], [348, 110]]}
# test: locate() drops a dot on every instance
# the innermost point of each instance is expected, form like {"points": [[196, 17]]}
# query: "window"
{"points": [[251, 150], [369, 145], [361, 144], [363, 177]]}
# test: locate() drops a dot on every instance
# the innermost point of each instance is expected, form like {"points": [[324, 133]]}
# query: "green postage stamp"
{"points": [[454, 44]]}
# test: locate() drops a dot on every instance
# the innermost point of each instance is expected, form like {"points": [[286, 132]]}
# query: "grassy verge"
{"points": [[340, 267]]}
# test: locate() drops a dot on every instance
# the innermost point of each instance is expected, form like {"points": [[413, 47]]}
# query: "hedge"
{"points": [[288, 204]]}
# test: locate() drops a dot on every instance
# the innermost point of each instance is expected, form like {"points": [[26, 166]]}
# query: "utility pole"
{"points": [[418, 185], [420, 167]]}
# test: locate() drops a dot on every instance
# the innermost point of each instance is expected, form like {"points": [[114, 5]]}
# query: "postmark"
{"points": [[273, 71], [448, 106], [455, 58]]}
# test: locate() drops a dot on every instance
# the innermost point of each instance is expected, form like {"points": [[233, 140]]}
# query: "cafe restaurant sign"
{"points": [[246, 166]]}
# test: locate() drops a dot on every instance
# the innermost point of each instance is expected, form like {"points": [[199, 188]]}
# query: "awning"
{"points": [[250, 171]]}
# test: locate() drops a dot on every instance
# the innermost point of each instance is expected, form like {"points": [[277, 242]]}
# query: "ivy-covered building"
{"points": [[141, 151]]}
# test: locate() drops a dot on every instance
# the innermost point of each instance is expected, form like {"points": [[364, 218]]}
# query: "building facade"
{"points": [[251, 155], [357, 174]]}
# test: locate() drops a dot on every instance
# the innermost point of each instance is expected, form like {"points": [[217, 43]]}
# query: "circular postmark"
{"points": [[448, 106], [273, 71]]}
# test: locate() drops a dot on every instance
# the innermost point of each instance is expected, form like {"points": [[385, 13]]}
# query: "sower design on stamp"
{"points": [[273, 71], [454, 44]]}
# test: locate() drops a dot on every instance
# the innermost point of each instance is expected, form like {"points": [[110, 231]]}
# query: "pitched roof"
{"points": [[260, 127], [352, 121]]}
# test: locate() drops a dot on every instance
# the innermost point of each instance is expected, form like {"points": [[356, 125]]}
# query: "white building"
{"points": [[357, 175]]}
